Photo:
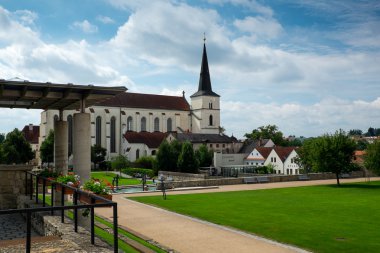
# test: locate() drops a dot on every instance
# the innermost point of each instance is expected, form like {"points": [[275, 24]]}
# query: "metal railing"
{"points": [[77, 193]]}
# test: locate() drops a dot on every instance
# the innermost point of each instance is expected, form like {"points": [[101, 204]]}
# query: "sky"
{"points": [[309, 67]]}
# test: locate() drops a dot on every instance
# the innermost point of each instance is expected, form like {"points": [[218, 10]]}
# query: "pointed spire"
{"points": [[204, 87]]}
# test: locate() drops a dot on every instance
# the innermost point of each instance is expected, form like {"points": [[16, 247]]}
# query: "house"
{"points": [[32, 134], [283, 160], [128, 112], [359, 157], [249, 145], [258, 156]]}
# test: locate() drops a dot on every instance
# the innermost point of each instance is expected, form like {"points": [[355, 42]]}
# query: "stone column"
{"points": [[61, 151], [82, 145]]}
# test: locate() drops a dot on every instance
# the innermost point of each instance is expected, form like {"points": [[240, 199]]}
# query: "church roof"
{"points": [[152, 140], [204, 138], [204, 88], [139, 100]]}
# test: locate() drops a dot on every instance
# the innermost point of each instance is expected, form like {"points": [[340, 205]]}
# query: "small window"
{"points": [[137, 153], [217, 145], [153, 152], [169, 125], [210, 120], [210, 145], [210, 105], [143, 124], [224, 145], [156, 124], [129, 124]]}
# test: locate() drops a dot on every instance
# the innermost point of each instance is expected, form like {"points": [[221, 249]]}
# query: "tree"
{"points": [[305, 155], [47, 149], [164, 157], [186, 160], [353, 132], [372, 157], [329, 153], [16, 149], [204, 156], [119, 162], [361, 145], [98, 154], [267, 132], [2, 138], [371, 132]]}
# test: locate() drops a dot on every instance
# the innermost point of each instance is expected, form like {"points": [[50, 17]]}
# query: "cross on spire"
{"points": [[204, 38]]}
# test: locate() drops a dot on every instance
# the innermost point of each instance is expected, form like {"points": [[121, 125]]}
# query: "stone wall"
{"points": [[12, 184], [178, 176]]}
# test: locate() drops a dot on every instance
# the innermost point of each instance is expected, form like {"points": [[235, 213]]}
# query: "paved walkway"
{"points": [[13, 226], [185, 234]]}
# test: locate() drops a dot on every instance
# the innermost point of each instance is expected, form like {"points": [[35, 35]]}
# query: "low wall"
{"points": [[12, 184], [240, 180], [48, 225], [178, 176]]}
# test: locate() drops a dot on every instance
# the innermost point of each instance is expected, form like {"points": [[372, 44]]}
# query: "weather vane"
{"points": [[204, 37]]}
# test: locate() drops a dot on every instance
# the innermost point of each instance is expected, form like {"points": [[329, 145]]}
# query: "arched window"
{"points": [[137, 153], [143, 124], [113, 135], [129, 124], [153, 152], [169, 125], [56, 118], [98, 131], [210, 105], [70, 133], [210, 120], [156, 124]]}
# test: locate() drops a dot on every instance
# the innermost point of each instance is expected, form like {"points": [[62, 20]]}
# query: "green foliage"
{"points": [[70, 179], [361, 145], [145, 162], [98, 154], [167, 156], [353, 132], [119, 162], [48, 173], [133, 171], [267, 132], [47, 148], [187, 161], [204, 156], [15, 149], [328, 153], [96, 186], [2, 138], [372, 157]]}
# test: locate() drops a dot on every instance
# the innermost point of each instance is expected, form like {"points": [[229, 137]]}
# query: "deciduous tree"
{"points": [[47, 149], [16, 149], [98, 154], [267, 132], [372, 157]]}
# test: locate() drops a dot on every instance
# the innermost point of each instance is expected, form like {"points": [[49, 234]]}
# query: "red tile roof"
{"points": [[283, 152], [31, 133], [264, 151], [152, 140], [138, 100]]}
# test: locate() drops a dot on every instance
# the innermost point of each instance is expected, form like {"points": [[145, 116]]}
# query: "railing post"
{"points": [[43, 191], [52, 197], [37, 189], [76, 211], [62, 203], [115, 229], [28, 231], [31, 186], [92, 222], [26, 183]]}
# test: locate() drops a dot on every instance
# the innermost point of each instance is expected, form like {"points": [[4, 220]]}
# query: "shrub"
{"points": [[145, 162], [134, 171], [96, 186]]}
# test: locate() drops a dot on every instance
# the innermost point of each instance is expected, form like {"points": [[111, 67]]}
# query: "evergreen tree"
{"points": [[164, 159], [186, 160], [16, 149], [47, 149], [204, 156]]}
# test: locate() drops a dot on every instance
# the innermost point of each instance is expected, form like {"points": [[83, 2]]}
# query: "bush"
{"points": [[119, 162], [138, 171], [145, 162]]}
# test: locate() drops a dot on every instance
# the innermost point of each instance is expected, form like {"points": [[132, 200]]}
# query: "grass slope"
{"points": [[318, 218], [110, 175]]}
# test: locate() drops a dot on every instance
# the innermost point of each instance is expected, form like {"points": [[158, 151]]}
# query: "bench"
{"points": [[249, 180], [262, 179], [345, 175], [303, 177]]}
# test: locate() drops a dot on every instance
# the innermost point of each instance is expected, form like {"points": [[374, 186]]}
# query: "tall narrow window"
{"points": [[137, 153], [70, 133], [143, 124], [129, 124], [210, 105], [113, 135], [98, 131], [169, 125], [156, 124], [210, 120]]}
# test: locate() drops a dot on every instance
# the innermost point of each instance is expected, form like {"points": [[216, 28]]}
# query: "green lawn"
{"points": [[318, 218], [110, 175]]}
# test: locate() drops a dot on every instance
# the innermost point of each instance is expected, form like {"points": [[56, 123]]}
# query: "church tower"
{"points": [[205, 103]]}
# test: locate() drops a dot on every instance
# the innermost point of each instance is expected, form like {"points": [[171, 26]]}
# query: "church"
{"points": [[135, 124]]}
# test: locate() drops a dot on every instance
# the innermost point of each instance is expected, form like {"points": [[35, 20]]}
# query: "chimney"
{"points": [[30, 127]]}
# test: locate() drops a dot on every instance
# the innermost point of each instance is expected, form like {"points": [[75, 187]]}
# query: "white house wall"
{"points": [[290, 167], [275, 160]]}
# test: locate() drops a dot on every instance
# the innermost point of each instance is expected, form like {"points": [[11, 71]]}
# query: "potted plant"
{"points": [[70, 179], [96, 187], [49, 174]]}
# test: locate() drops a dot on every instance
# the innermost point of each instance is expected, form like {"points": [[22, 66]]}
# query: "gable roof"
{"points": [[203, 138], [250, 145], [139, 100], [284, 152], [264, 151], [31, 133], [152, 140]]}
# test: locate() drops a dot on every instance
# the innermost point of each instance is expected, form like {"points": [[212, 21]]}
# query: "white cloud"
{"points": [[26, 17], [85, 26], [105, 19], [252, 5], [268, 28]]}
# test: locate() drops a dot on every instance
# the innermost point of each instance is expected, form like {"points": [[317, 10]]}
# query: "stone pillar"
{"points": [[82, 145], [61, 151]]}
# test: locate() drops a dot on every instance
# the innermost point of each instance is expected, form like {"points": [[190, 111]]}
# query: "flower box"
{"points": [[47, 182], [68, 191], [85, 198]]}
